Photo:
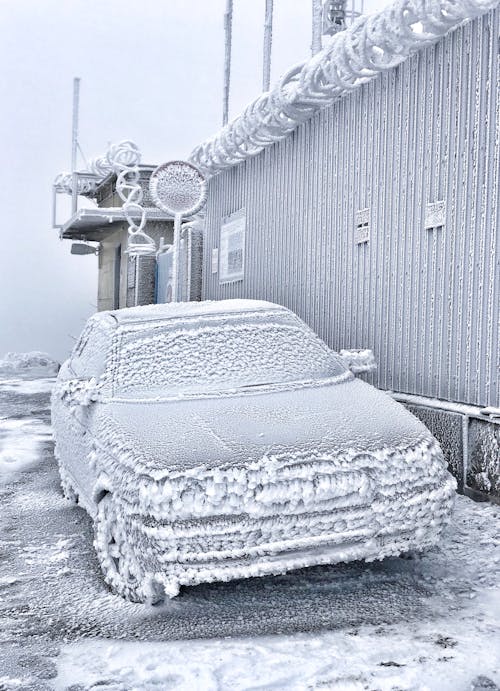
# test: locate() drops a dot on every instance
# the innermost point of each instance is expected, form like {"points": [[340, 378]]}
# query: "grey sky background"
{"points": [[152, 72]]}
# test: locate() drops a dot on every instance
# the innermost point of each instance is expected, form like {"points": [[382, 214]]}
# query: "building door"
{"points": [[164, 275], [118, 268]]}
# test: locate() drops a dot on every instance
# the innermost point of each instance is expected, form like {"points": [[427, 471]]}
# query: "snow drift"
{"points": [[34, 363]]}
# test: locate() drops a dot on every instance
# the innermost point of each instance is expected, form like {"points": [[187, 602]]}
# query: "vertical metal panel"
{"points": [[426, 301]]}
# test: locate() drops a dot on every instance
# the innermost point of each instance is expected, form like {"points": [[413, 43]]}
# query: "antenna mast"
{"points": [[317, 28], [228, 30], [74, 142], [74, 138], [268, 38]]}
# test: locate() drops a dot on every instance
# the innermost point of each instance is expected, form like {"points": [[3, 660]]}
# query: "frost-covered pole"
{"points": [[176, 288], [317, 14], [228, 32], [74, 131], [74, 143], [268, 40]]}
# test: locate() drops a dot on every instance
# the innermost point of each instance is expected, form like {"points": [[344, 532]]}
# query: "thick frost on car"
{"points": [[219, 440]]}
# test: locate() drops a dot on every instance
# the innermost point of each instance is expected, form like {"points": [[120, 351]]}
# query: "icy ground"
{"points": [[430, 622]]}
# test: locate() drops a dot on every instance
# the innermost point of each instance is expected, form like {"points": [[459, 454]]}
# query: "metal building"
{"points": [[377, 222]]}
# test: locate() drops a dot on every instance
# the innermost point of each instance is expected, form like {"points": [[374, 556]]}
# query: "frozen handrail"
{"points": [[88, 180], [372, 44]]}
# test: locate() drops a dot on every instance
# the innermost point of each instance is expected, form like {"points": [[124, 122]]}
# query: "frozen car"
{"points": [[217, 440]]}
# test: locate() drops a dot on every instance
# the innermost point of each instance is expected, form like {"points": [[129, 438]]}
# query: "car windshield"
{"points": [[217, 354]]}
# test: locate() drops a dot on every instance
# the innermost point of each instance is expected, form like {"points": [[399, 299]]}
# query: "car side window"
{"points": [[80, 344], [89, 354]]}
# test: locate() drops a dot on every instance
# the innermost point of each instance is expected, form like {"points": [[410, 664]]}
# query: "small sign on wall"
{"points": [[232, 247], [435, 214], [131, 272], [215, 260], [362, 229]]}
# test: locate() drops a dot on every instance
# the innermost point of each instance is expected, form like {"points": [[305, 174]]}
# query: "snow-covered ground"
{"points": [[427, 622], [20, 442]]}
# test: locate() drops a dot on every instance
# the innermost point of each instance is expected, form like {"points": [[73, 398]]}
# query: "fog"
{"points": [[151, 72]]}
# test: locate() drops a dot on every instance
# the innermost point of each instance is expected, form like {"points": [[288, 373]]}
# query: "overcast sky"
{"points": [[151, 71]]}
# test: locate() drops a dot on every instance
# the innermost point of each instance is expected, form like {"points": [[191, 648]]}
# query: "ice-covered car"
{"points": [[218, 440]]}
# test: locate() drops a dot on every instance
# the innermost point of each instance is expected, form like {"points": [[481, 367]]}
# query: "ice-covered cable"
{"points": [[372, 44], [124, 158], [100, 167]]}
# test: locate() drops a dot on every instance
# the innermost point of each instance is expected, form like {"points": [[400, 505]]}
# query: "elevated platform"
{"points": [[95, 224]]}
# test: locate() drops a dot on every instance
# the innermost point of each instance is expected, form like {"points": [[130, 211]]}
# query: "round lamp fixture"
{"points": [[178, 187]]}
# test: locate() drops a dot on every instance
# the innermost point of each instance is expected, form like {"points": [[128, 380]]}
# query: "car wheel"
{"points": [[121, 569], [68, 491]]}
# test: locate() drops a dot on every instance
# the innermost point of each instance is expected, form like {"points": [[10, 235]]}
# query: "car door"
{"points": [[74, 413]]}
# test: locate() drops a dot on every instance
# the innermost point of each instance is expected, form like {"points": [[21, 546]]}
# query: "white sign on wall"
{"points": [[215, 260], [435, 214], [232, 248], [362, 229]]}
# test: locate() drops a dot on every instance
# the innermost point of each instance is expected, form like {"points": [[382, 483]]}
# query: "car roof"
{"points": [[179, 310]]}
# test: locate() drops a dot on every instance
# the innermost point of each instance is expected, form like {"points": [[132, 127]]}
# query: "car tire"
{"points": [[120, 567], [68, 491]]}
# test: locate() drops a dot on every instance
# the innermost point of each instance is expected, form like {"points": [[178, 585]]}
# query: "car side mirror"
{"points": [[79, 392], [359, 360]]}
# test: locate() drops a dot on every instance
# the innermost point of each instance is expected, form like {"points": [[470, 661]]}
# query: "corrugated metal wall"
{"points": [[426, 301]]}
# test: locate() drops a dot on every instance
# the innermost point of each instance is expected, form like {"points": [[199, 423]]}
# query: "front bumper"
{"points": [[288, 512]]}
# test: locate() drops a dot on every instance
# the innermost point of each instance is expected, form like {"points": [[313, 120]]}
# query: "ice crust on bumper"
{"points": [[284, 512]]}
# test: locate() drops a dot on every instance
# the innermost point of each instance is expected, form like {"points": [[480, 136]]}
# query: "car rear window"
{"points": [[206, 355]]}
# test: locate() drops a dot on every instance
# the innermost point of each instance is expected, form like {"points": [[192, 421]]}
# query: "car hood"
{"points": [[156, 438]]}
